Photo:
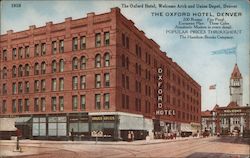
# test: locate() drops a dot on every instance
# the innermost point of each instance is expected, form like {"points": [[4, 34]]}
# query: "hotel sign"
{"points": [[160, 110]]}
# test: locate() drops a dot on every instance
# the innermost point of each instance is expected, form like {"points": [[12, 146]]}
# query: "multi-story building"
{"points": [[98, 73]]}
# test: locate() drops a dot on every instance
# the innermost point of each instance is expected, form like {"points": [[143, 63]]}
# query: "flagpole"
{"points": [[216, 93]]}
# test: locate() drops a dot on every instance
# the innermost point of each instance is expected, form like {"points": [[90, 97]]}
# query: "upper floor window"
{"points": [[26, 105], [123, 39], [123, 61], [83, 62], [53, 66], [97, 101], [83, 42], [61, 65], [106, 80], [61, 46], [53, 103], [14, 71], [97, 39], [61, 103], [14, 54], [74, 83], [75, 63], [36, 69], [83, 82], [43, 85], [36, 104], [97, 81], [43, 104], [20, 53], [4, 73], [43, 67], [106, 38], [36, 50], [127, 42], [14, 88], [4, 90], [83, 102], [20, 87], [27, 86], [98, 60], [53, 84], [27, 52], [127, 63], [5, 55], [27, 70], [106, 101], [74, 102], [4, 108], [14, 106], [106, 59], [74, 44], [36, 86], [61, 84], [54, 47], [20, 71], [43, 48]]}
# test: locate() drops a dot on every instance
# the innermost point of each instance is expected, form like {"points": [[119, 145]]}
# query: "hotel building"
{"points": [[98, 75]]}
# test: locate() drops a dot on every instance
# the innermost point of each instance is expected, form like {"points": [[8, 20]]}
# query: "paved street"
{"points": [[222, 147]]}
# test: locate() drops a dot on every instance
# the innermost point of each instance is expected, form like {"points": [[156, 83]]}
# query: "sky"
{"points": [[193, 55]]}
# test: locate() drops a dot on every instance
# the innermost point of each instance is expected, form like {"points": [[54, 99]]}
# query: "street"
{"points": [[185, 147]]}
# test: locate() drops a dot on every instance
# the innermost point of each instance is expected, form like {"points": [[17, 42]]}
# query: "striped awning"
{"points": [[7, 124]]}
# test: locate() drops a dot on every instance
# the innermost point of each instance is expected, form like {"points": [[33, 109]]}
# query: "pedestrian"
{"points": [[72, 134], [129, 136], [132, 135]]}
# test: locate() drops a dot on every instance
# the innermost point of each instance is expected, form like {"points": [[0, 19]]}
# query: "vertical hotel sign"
{"points": [[160, 109]]}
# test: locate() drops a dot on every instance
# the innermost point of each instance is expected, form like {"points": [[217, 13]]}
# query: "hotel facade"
{"points": [[95, 76]]}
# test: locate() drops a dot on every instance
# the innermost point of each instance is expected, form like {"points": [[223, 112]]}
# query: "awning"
{"points": [[7, 124], [186, 127]]}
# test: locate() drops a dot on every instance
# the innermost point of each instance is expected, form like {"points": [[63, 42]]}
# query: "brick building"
{"points": [[98, 73]]}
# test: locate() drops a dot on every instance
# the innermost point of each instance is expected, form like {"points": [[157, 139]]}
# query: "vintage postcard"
{"points": [[126, 78]]}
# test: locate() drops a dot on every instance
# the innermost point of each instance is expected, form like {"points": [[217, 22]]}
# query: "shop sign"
{"points": [[103, 118], [232, 111], [160, 110]]}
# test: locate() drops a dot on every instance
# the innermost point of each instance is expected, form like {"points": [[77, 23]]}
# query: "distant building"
{"points": [[97, 75], [233, 118]]}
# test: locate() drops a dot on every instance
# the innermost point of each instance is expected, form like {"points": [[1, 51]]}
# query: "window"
{"points": [[123, 39], [106, 38], [97, 81], [127, 42], [123, 101], [14, 71], [97, 39], [4, 108], [61, 84], [74, 103], [43, 49], [53, 66], [106, 101], [43, 68], [106, 59], [27, 87], [36, 69], [20, 105], [27, 52], [13, 53], [36, 104], [74, 44], [127, 82], [127, 101], [61, 103], [61, 44], [5, 55], [20, 71], [74, 63], [14, 106], [20, 53], [123, 60], [97, 101], [4, 89], [98, 60], [127, 63], [43, 104], [54, 47], [53, 103], [83, 42], [83, 102], [53, 82], [83, 82], [20, 87], [36, 50], [43, 85], [106, 80], [4, 73], [27, 70], [83, 62], [74, 83], [61, 65], [36, 86], [13, 88], [123, 80]]}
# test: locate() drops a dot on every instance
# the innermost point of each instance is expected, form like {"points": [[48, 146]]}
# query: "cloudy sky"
{"points": [[193, 55]]}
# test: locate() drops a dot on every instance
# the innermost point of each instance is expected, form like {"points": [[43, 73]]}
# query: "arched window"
{"points": [[61, 65], [74, 63], [27, 70], [98, 60], [20, 71], [127, 63], [106, 59], [14, 71], [4, 73], [36, 69], [83, 62], [53, 66], [43, 67], [123, 60]]}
